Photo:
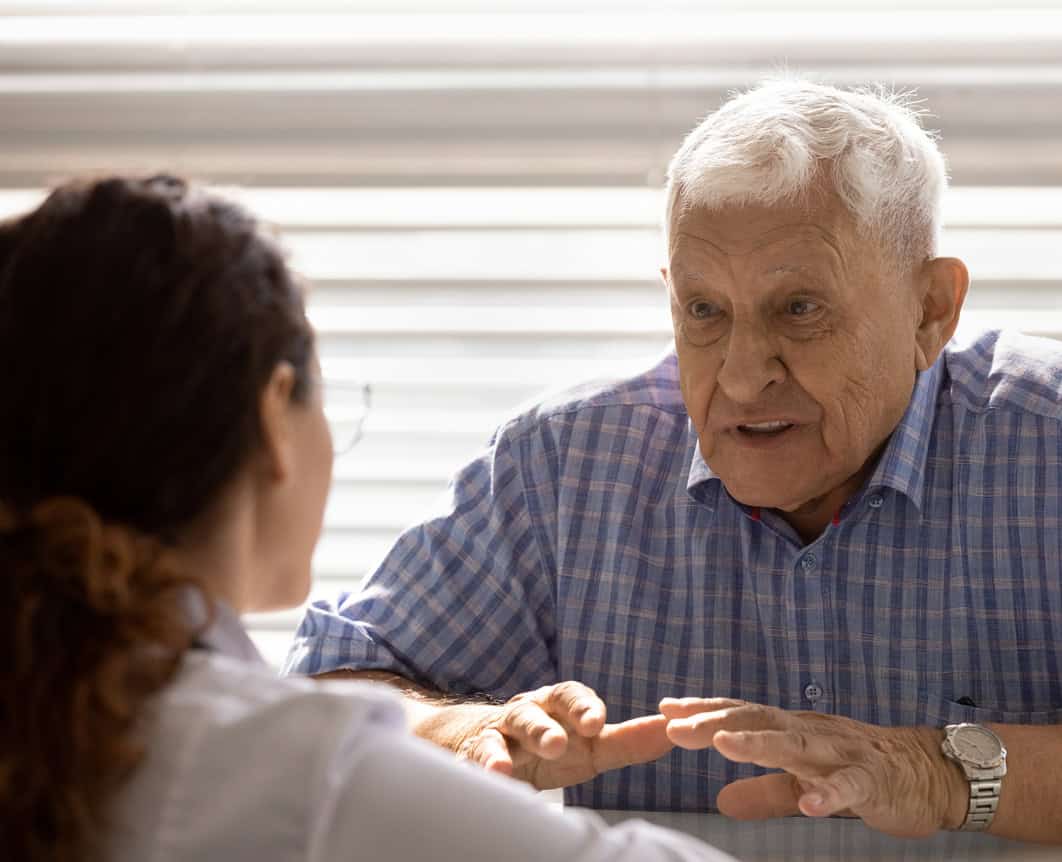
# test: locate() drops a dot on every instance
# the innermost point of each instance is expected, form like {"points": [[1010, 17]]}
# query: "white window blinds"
{"points": [[473, 187]]}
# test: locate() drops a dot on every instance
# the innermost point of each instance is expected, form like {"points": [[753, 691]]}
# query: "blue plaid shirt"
{"points": [[592, 542]]}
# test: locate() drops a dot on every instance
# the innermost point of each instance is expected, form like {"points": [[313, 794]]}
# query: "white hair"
{"points": [[770, 144]]}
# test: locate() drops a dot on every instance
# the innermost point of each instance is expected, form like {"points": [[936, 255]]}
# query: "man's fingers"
{"points": [[490, 750], [698, 730], [683, 707], [829, 786], [636, 741], [577, 706], [794, 751], [529, 726], [773, 795]]}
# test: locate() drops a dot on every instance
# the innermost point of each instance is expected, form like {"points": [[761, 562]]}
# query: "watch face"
{"points": [[977, 745]]}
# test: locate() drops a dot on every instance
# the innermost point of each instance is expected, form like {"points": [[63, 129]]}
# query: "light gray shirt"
{"points": [[243, 765]]}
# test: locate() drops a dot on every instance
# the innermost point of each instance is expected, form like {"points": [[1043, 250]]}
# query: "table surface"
{"points": [[794, 839]]}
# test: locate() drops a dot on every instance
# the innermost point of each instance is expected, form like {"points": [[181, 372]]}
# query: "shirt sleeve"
{"points": [[462, 603], [392, 796]]}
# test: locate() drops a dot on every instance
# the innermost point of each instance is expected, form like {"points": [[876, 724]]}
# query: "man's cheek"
{"points": [[697, 382]]}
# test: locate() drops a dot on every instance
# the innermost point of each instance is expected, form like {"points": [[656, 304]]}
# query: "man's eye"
{"points": [[702, 310], [802, 307]]}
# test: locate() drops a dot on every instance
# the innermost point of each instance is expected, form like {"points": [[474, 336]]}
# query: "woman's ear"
{"points": [[944, 285], [278, 455]]}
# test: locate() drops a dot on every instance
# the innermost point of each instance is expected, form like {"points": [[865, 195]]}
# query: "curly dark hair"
{"points": [[139, 322]]}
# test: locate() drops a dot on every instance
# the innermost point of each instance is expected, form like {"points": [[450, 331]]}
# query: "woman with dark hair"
{"points": [[164, 466]]}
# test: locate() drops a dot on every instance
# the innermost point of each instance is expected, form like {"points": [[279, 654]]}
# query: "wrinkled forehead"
{"points": [[817, 206], [796, 237]]}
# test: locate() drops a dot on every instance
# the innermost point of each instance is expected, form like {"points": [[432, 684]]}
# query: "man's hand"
{"points": [[894, 778], [556, 736]]}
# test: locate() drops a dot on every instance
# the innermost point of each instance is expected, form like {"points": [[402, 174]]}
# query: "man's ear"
{"points": [[944, 282], [274, 406]]}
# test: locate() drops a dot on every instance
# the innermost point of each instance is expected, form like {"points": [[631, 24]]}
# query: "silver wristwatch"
{"points": [[982, 757]]}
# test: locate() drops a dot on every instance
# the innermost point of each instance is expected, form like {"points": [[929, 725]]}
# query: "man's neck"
{"points": [[810, 519], [810, 525]]}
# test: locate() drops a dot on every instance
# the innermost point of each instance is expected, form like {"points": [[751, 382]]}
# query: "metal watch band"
{"points": [[982, 768], [984, 799]]}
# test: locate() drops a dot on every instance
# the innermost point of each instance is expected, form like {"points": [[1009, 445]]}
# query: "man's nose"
{"points": [[751, 364]]}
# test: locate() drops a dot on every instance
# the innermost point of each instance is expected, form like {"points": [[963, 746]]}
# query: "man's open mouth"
{"points": [[765, 429]]}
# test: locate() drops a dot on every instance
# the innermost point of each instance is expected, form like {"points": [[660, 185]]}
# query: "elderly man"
{"points": [[827, 529]]}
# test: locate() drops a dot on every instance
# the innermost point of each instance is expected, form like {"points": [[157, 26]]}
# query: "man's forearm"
{"points": [[1030, 802], [443, 719]]}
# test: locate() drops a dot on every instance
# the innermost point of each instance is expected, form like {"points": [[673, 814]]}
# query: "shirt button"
{"points": [[875, 501], [813, 691], [808, 562]]}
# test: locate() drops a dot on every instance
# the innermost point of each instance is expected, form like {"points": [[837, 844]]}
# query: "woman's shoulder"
{"points": [[221, 690], [235, 755]]}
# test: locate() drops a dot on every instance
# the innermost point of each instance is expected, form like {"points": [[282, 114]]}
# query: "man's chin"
{"points": [[760, 497]]}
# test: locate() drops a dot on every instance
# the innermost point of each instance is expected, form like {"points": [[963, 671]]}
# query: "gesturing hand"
{"points": [[556, 736], [894, 778]]}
